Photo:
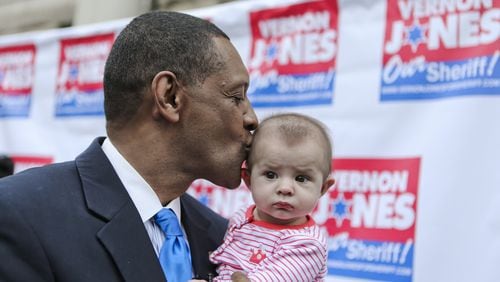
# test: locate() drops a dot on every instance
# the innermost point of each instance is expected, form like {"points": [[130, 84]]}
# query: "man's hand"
{"points": [[239, 276]]}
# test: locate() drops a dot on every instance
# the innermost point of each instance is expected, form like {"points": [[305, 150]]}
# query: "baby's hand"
{"points": [[239, 277]]}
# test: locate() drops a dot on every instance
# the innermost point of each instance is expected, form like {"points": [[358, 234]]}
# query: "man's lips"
{"points": [[283, 206], [248, 144], [248, 148]]}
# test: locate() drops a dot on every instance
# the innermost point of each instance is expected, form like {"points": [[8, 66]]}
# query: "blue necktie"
{"points": [[175, 258]]}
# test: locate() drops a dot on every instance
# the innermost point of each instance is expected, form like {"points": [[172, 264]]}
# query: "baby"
{"points": [[287, 171]]}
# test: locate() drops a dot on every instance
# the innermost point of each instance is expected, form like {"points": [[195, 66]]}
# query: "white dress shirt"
{"points": [[145, 199]]}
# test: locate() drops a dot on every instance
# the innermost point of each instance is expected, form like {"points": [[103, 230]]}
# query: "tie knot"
{"points": [[168, 222]]}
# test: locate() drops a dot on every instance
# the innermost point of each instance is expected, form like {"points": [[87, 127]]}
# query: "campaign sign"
{"points": [[17, 66], [23, 162], [373, 209], [292, 61], [436, 49], [80, 74]]}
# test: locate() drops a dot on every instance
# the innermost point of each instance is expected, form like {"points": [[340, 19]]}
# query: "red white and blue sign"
{"points": [[293, 54], [17, 67], [373, 209], [437, 49], [80, 75]]}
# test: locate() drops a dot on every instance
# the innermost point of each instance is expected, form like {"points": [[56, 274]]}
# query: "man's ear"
{"points": [[329, 182], [245, 174], [165, 88]]}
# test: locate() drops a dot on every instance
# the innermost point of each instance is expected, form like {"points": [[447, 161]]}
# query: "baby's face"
{"points": [[286, 180]]}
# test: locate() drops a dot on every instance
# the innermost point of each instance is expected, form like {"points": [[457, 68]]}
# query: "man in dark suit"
{"points": [[176, 110]]}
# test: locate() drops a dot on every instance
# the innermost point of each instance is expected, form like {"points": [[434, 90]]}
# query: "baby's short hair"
{"points": [[293, 128]]}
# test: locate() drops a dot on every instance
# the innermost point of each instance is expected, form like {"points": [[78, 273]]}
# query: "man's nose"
{"points": [[250, 118]]}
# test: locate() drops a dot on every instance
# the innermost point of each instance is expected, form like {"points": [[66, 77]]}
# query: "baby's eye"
{"points": [[270, 175], [301, 178]]}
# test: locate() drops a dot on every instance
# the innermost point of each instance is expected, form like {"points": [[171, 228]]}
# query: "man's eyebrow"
{"points": [[234, 85]]}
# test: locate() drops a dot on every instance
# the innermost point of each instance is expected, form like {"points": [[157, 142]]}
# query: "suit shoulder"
{"points": [[35, 180]]}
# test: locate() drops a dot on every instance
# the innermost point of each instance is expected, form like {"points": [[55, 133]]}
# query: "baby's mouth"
{"points": [[283, 206]]}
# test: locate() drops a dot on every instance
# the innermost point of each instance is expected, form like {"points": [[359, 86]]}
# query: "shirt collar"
{"points": [[143, 196]]}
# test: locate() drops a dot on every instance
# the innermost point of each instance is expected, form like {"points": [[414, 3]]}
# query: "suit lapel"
{"points": [[202, 238], [123, 234], [199, 237], [130, 247]]}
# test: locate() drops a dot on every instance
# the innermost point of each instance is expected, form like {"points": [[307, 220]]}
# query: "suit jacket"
{"points": [[74, 221]]}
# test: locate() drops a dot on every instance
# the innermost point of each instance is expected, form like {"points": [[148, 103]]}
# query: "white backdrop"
{"points": [[409, 89]]}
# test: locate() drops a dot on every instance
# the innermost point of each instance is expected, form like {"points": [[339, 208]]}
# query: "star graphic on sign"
{"points": [[415, 35], [271, 52], [73, 72], [340, 209]]}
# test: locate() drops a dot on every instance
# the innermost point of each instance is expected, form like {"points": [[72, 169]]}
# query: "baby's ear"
{"points": [[329, 182], [245, 174]]}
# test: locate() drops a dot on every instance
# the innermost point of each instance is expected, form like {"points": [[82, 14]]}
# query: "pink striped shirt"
{"points": [[268, 252]]}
